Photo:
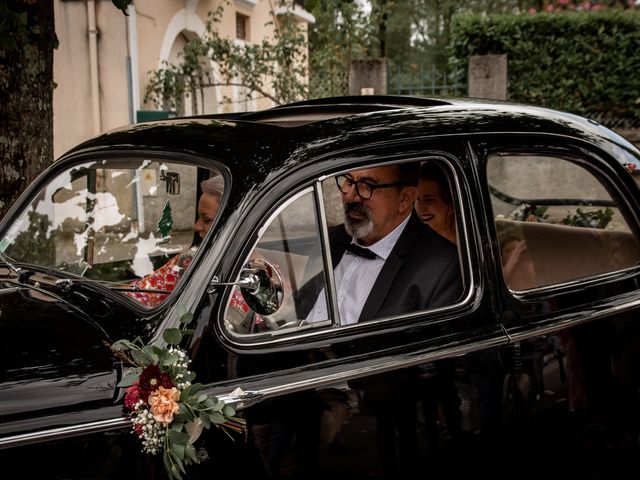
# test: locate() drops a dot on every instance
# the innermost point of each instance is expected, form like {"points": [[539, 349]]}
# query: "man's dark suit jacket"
{"points": [[422, 271]]}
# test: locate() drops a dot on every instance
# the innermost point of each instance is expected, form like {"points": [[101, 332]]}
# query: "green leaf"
{"points": [[174, 471], [128, 379], [167, 359], [177, 437], [191, 454], [203, 397], [166, 459], [172, 336], [186, 318], [206, 421], [180, 310], [123, 345], [217, 418], [228, 411], [190, 390], [139, 357], [151, 357]]}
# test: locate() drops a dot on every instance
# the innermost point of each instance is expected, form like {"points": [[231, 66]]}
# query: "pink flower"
{"points": [[163, 404]]}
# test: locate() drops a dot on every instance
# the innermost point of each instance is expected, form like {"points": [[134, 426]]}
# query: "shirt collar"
{"points": [[383, 247]]}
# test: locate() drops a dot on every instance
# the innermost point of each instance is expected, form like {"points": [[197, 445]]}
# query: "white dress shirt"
{"points": [[354, 277]]}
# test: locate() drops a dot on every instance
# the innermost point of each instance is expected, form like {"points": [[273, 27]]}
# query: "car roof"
{"points": [[344, 122]]}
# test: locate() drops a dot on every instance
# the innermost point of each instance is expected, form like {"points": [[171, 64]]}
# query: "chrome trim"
{"points": [[263, 389], [326, 252], [64, 432]]}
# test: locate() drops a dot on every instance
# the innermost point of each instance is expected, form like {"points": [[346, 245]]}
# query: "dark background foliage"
{"points": [[583, 62]]}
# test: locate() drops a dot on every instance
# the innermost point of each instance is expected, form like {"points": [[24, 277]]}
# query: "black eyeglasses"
{"points": [[364, 189]]}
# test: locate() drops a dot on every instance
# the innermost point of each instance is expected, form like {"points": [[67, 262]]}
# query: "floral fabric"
{"points": [[164, 278]]}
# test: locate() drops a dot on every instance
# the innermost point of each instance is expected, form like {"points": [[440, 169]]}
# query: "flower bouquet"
{"points": [[167, 410]]}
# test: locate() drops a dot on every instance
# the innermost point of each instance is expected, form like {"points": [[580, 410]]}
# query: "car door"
{"points": [[290, 366]]}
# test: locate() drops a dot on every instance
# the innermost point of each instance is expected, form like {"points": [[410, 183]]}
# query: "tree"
{"points": [[406, 32], [274, 68], [341, 33], [27, 40]]}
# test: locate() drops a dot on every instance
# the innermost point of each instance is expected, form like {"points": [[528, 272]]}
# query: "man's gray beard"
{"points": [[358, 229]]}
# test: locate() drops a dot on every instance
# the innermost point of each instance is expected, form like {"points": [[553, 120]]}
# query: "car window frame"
{"points": [[595, 162], [467, 251]]}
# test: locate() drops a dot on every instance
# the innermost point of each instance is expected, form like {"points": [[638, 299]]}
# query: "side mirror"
{"points": [[260, 284], [262, 287]]}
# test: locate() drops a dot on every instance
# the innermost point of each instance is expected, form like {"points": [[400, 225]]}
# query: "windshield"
{"points": [[116, 221]]}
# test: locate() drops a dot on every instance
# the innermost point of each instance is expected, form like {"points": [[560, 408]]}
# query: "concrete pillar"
{"points": [[488, 76], [368, 77]]}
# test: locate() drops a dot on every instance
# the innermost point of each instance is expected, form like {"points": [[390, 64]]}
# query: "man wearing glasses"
{"points": [[387, 262]]}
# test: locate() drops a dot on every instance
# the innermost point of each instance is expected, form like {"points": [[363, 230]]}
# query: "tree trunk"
{"points": [[26, 100]]}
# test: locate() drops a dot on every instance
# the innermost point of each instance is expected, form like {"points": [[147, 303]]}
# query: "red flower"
{"points": [[132, 395], [150, 379]]}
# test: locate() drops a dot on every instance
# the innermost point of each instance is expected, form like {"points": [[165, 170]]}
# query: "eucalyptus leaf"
{"points": [[167, 359], [228, 411], [123, 345], [187, 318], [190, 390], [177, 437], [206, 421], [217, 418], [129, 379], [178, 449], [180, 310], [167, 464], [175, 472], [139, 357], [150, 355], [191, 454], [173, 336]]}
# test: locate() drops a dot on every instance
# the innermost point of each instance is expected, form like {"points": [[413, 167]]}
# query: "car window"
{"points": [[116, 221], [292, 244], [556, 222]]}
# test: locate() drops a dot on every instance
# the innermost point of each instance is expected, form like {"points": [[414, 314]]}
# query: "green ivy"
{"points": [[274, 68]]}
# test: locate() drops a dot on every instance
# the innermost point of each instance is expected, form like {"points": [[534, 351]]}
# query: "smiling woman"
{"points": [[435, 203]]}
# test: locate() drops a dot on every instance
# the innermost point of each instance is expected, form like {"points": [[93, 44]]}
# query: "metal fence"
{"points": [[329, 84], [424, 79]]}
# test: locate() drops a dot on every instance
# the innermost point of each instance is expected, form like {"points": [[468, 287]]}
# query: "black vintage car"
{"points": [[533, 371]]}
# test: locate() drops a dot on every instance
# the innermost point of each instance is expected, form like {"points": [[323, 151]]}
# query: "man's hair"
{"points": [[408, 173], [213, 186]]}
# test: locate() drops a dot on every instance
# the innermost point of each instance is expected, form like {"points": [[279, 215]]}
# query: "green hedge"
{"points": [[582, 62]]}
